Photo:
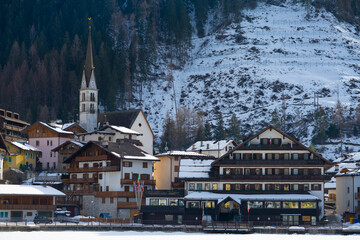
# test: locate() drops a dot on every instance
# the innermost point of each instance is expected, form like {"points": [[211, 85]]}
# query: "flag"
{"points": [[270, 141], [248, 206], [138, 180], [249, 144], [134, 187]]}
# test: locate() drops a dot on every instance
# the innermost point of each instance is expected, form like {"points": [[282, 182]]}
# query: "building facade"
{"points": [[348, 192], [11, 126], [213, 148], [135, 120], [3, 153], [22, 156], [45, 137], [102, 177], [24, 202]]}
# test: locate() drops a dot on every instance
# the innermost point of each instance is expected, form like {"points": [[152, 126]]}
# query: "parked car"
{"points": [[42, 219], [105, 215]]}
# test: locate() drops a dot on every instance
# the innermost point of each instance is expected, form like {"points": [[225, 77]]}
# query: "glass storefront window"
{"points": [[194, 205], [272, 205], [290, 205], [191, 186], [207, 186], [162, 202], [154, 202], [256, 204], [308, 205], [227, 187], [214, 186], [173, 202], [199, 186]]}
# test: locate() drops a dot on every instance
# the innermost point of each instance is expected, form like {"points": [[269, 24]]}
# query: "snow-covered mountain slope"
{"points": [[246, 68]]}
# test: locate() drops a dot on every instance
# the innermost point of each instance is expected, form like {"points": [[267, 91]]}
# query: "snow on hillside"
{"points": [[246, 68]]}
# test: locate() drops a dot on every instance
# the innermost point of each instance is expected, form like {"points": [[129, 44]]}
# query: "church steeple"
{"points": [[89, 64], [88, 106]]}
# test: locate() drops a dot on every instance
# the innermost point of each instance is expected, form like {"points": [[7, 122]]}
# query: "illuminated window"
{"points": [[308, 205], [227, 187], [290, 205], [214, 186], [191, 186], [286, 187], [272, 205], [207, 186], [277, 187]]}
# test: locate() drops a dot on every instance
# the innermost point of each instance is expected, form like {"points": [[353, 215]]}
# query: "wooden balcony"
{"points": [[131, 205], [78, 192], [91, 158], [67, 203], [94, 169], [26, 207], [272, 162], [357, 196], [132, 181], [115, 194], [276, 177], [80, 180]]}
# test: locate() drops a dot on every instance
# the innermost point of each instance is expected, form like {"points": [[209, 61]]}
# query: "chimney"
{"points": [[202, 143], [336, 167], [207, 146], [193, 146]]}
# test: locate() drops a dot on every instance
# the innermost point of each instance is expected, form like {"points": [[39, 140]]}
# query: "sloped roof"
{"points": [[25, 146], [122, 150], [78, 143], [184, 154], [123, 130], [9, 189], [123, 118], [2, 144], [195, 168], [245, 143], [209, 145]]}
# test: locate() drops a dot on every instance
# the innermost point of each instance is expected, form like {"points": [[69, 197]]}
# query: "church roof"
{"points": [[89, 65], [124, 118]]}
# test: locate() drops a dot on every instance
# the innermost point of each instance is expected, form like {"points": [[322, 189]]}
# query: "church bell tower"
{"points": [[88, 107]]}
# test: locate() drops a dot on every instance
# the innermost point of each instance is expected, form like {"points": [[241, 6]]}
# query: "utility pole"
{"points": [[283, 113]]}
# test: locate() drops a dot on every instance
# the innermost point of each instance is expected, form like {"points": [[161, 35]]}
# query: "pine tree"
{"points": [[207, 132], [321, 124], [220, 133], [234, 131]]}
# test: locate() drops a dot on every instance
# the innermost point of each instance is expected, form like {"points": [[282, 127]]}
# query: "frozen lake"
{"points": [[130, 235]]}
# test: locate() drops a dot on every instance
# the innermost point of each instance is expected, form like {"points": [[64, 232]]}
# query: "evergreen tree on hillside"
{"points": [[321, 124], [233, 130], [219, 133], [207, 132]]}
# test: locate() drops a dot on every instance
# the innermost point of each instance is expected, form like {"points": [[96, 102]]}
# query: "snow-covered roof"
{"points": [[124, 130], [351, 172], [209, 145], [195, 168], [341, 166], [56, 127], [25, 146], [146, 157], [238, 197], [181, 153], [9, 189], [331, 184]]}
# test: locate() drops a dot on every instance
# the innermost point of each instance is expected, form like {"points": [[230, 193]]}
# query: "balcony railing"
{"points": [[275, 177], [132, 181], [269, 162], [94, 169], [26, 207], [357, 196], [115, 194], [132, 205], [92, 158], [80, 180], [67, 202], [78, 192]]}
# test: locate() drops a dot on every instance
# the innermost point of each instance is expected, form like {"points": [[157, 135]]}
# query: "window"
{"points": [[191, 186], [306, 187], [287, 187], [199, 186], [10, 159], [306, 171], [277, 187], [256, 204], [47, 165], [316, 171], [154, 202], [50, 142], [83, 108], [103, 200], [290, 205], [214, 186], [257, 187], [169, 218], [47, 143], [269, 171], [127, 164], [272, 205], [247, 171], [296, 187], [111, 200], [209, 204], [145, 176], [100, 176], [126, 188], [37, 143], [173, 202], [348, 189], [83, 96], [308, 205], [54, 165], [207, 186], [194, 205], [127, 176], [258, 171], [295, 156], [316, 187], [296, 171], [277, 171], [145, 164], [247, 187], [227, 171], [227, 187], [85, 176], [135, 176], [237, 187], [237, 171]]}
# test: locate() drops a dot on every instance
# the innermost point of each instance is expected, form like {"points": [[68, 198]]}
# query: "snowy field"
{"points": [[66, 235]]}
